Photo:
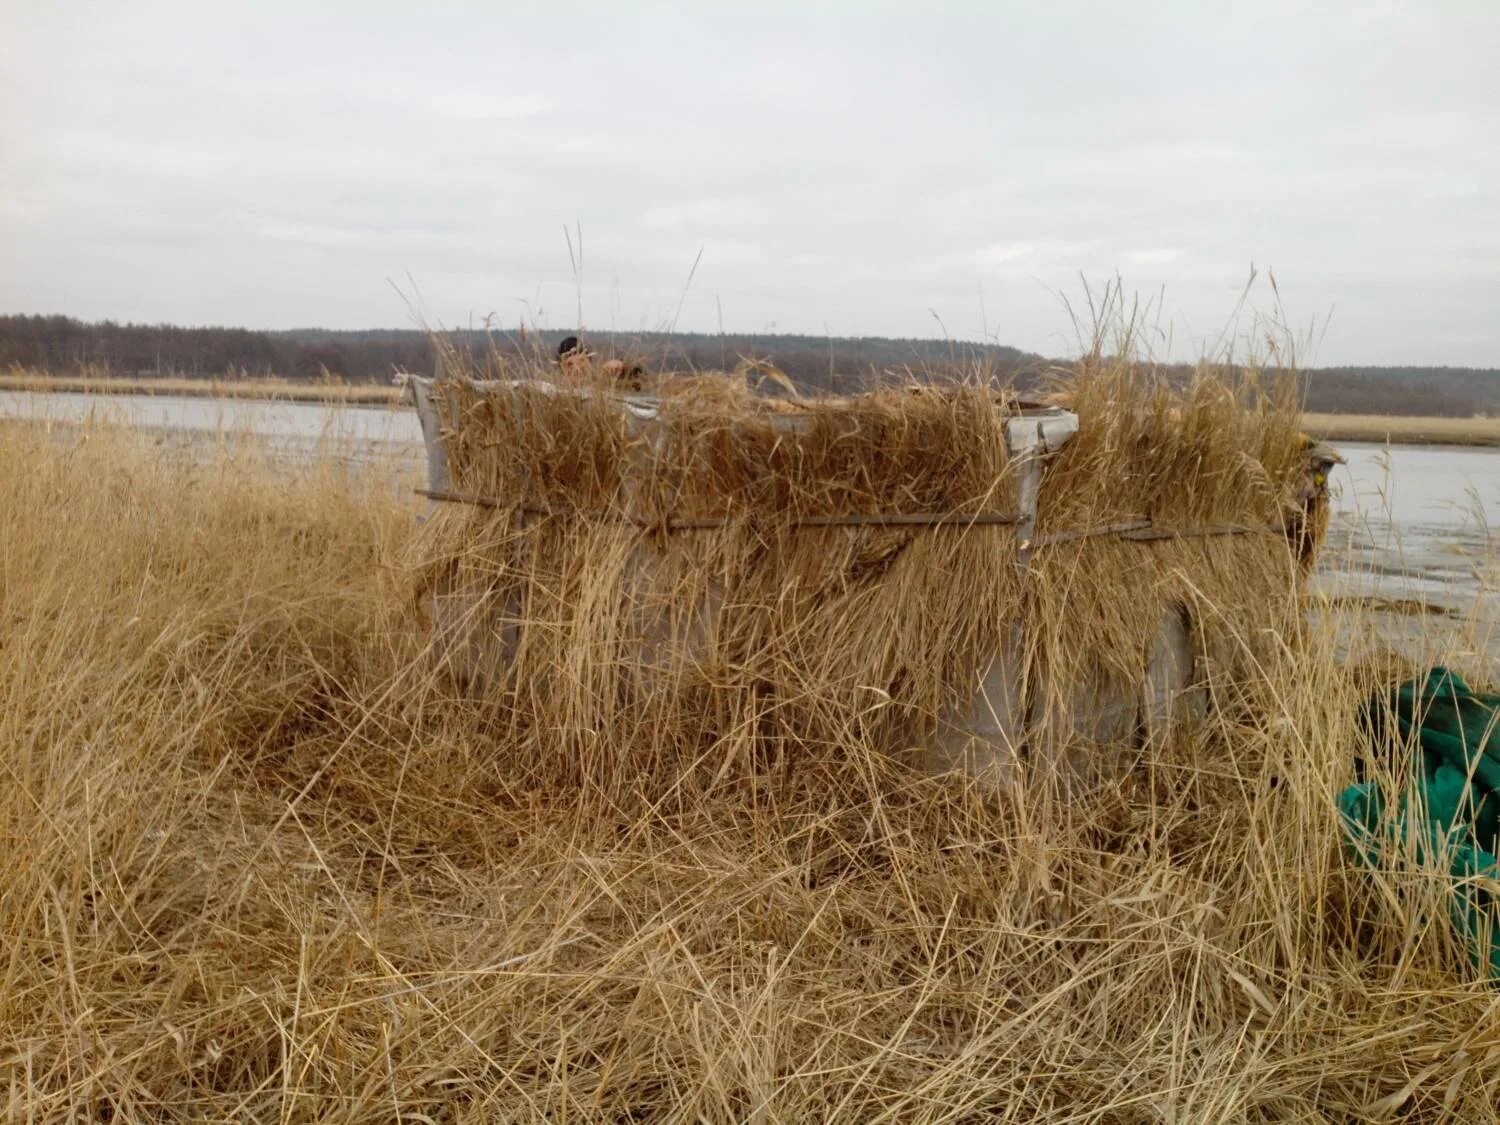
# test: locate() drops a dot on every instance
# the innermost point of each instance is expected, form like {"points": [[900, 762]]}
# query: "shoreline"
{"points": [[1378, 429], [269, 390]]}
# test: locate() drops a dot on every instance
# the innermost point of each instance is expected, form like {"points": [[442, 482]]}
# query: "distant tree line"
{"points": [[1456, 392], [59, 343], [62, 344]]}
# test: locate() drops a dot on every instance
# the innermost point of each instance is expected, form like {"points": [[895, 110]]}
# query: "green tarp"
{"points": [[1451, 805]]}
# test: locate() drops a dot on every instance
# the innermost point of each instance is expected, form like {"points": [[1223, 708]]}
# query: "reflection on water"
{"points": [[1410, 521]]}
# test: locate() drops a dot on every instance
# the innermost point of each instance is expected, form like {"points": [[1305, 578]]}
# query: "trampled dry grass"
{"points": [[262, 864]]}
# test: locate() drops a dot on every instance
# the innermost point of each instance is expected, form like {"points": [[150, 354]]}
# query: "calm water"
{"points": [[365, 434], [1417, 521], [301, 421], [1410, 521], [1433, 486]]}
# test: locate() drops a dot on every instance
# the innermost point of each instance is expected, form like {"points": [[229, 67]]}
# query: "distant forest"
{"points": [[63, 345]]}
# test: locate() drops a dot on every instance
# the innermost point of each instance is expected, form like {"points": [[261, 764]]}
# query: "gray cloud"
{"points": [[854, 169]]}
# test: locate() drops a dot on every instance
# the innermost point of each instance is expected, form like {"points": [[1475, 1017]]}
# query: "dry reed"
{"points": [[261, 864]]}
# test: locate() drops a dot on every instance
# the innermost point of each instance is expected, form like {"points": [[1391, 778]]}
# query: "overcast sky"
{"points": [[853, 169]]}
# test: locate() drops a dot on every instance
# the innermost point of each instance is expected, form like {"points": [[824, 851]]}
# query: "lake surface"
{"points": [[1410, 522], [373, 434], [302, 421], [1417, 521]]}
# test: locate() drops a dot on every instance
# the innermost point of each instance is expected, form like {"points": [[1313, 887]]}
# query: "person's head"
{"points": [[572, 356], [1319, 459]]}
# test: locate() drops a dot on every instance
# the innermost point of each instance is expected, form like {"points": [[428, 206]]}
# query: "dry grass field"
{"points": [[262, 863], [1390, 429]]}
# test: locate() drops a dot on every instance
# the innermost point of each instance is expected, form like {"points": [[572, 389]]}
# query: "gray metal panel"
{"points": [[981, 734], [1172, 695], [431, 421]]}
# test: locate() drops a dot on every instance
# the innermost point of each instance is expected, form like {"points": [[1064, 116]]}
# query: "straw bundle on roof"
{"points": [[1216, 468]]}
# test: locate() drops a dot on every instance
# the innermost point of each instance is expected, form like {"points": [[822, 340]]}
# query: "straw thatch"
{"points": [[639, 589], [1216, 465]]}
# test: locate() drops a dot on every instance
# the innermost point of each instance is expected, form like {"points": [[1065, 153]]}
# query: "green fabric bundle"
{"points": [[1451, 807]]}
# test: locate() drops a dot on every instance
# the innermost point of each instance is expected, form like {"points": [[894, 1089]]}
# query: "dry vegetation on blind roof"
{"points": [[714, 449], [1209, 455]]}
